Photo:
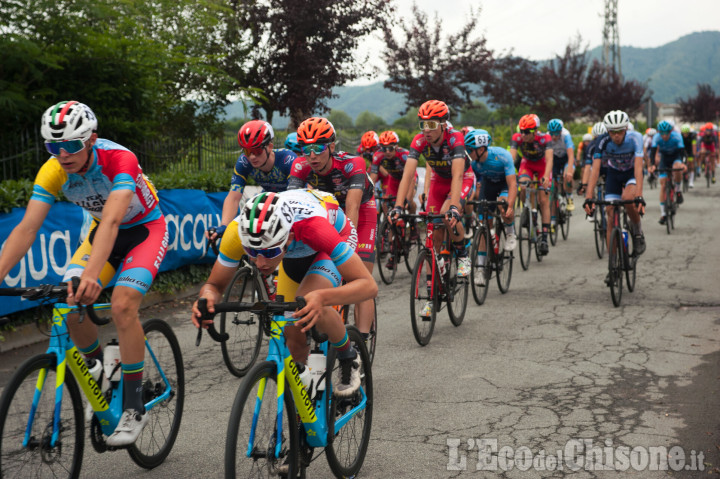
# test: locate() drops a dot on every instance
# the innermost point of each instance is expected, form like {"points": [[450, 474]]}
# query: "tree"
{"points": [[423, 66], [369, 121], [704, 106], [301, 50], [608, 91], [340, 119]]}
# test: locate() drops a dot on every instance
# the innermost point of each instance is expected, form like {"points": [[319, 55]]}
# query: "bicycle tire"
{"points": [[615, 262], [564, 221], [503, 264], [669, 205], [346, 451], [456, 293], [422, 328], [65, 459], [263, 464], [524, 239], [387, 251], [158, 437], [479, 292], [554, 211], [346, 311], [538, 239], [243, 346]]}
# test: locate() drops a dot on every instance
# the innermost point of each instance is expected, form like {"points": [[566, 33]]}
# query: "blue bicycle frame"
{"points": [[66, 353]]}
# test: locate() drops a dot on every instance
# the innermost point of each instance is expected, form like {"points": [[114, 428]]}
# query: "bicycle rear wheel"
{"points": [[615, 262], [456, 292], [503, 264], [242, 348], [39, 458], [480, 291], [554, 211], [256, 400], [423, 326], [564, 221], [157, 439], [347, 444], [524, 241], [387, 253]]}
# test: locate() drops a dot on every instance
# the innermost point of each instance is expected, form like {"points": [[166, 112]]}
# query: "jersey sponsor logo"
{"points": [[298, 166], [452, 141], [348, 168], [131, 280], [287, 212]]}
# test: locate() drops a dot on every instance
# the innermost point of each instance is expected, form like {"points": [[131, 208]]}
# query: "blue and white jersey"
{"points": [[561, 145], [672, 148], [496, 167], [620, 157], [275, 180]]}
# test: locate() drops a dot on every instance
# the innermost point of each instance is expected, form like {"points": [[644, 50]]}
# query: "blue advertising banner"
{"points": [[188, 213]]}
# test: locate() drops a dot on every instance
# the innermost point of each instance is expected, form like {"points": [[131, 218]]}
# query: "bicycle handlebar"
{"points": [[59, 292], [636, 201]]}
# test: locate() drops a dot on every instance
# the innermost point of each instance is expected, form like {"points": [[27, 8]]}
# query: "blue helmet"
{"points": [[292, 144], [555, 125], [665, 127], [476, 139]]}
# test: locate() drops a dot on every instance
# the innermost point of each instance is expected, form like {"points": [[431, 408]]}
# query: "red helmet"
{"points": [[255, 134], [434, 110], [529, 122], [369, 140], [315, 130], [389, 137], [709, 126]]}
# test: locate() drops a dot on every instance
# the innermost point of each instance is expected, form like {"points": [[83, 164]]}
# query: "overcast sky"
{"points": [[539, 30]]}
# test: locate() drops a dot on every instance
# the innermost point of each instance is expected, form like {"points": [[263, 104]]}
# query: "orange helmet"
{"points": [[709, 126], [389, 137], [369, 140], [529, 122], [434, 110], [315, 130]]}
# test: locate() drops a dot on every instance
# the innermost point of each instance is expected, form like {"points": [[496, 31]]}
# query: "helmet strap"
{"points": [[86, 166]]}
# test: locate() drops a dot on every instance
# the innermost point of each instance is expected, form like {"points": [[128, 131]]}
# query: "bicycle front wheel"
{"points": [[162, 357], [503, 264], [457, 293], [524, 240], [615, 269], [387, 256], [554, 212], [252, 435], [371, 340], [479, 291], [414, 246], [40, 458], [564, 221], [241, 349], [347, 444], [423, 305]]}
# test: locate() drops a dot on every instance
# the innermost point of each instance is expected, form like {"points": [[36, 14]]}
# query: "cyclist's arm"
{"points": [[594, 175], [639, 175], [512, 194], [230, 206], [408, 176], [548, 164], [352, 205], [22, 236], [359, 285], [212, 290]]}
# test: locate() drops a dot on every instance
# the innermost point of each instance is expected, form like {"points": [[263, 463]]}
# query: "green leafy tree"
{"points": [[340, 119], [369, 121]]}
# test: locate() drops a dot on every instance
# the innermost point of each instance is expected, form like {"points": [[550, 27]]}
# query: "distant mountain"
{"points": [[673, 70]]}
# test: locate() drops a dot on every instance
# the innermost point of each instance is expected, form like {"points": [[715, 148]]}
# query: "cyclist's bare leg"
{"points": [[610, 213], [125, 313], [460, 235], [365, 311], [629, 193]]}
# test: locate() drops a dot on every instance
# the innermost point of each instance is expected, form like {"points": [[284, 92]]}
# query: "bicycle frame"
{"points": [[66, 353]]}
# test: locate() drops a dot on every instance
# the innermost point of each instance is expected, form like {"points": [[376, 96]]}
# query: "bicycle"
{"points": [[42, 423], [599, 220], [622, 258], [707, 159], [264, 437], [346, 312], [529, 232], [652, 180], [497, 259], [395, 242], [671, 205], [441, 285], [558, 210], [244, 333]]}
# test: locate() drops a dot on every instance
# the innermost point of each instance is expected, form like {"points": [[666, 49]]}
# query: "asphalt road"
{"points": [[551, 366]]}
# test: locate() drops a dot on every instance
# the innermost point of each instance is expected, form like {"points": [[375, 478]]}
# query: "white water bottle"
{"points": [[305, 375], [317, 364], [441, 265], [96, 371], [111, 361]]}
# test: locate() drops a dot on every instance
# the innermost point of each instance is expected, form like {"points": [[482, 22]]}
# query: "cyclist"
{"points": [[623, 150], [292, 144], [308, 236], [708, 146], [448, 183], [537, 154], [582, 150], [391, 158], [689, 137], [493, 166], [106, 180], [598, 130], [563, 158], [669, 152], [344, 176]]}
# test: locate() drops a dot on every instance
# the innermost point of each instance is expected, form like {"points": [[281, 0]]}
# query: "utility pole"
{"points": [[611, 38]]}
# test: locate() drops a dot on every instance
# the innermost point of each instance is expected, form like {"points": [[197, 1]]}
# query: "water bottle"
{"points": [[111, 361], [441, 263], [96, 370], [494, 240], [625, 238], [316, 364], [305, 375]]}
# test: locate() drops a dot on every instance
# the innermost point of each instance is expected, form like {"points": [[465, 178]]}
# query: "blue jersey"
{"points": [[672, 148], [496, 167], [620, 157], [275, 180], [561, 145]]}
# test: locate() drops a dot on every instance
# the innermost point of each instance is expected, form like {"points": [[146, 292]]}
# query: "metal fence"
{"points": [[22, 156]]}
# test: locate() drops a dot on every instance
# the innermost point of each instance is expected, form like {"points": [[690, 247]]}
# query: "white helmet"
{"points": [[631, 127], [616, 120], [587, 137], [265, 221], [651, 132], [68, 120], [598, 129]]}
